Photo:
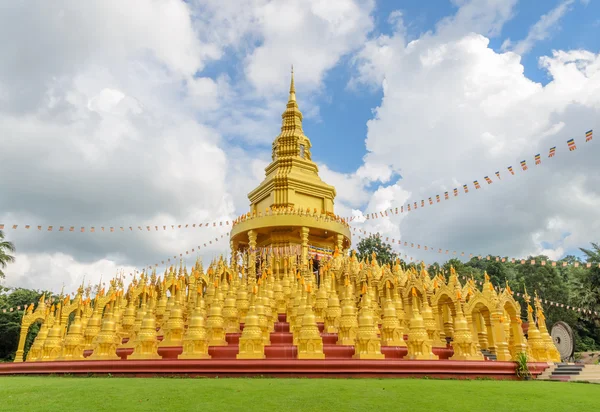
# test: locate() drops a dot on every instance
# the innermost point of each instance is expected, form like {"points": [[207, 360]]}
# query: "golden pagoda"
{"points": [[292, 209], [268, 304]]}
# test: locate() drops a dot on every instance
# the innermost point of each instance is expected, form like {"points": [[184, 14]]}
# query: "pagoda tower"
{"points": [[292, 207]]}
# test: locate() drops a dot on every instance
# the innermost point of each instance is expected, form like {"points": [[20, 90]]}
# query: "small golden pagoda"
{"points": [[292, 209]]}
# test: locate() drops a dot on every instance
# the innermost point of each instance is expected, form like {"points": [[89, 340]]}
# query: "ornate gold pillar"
{"points": [[21, 347], [473, 327], [438, 312], [340, 241], [490, 336], [448, 321], [482, 332], [304, 237], [234, 265], [252, 256], [499, 337]]}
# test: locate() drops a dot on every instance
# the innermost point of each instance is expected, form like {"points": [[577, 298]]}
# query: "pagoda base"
{"points": [[326, 368], [281, 360]]}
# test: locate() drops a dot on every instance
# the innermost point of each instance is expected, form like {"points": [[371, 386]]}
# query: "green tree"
{"points": [[593, 255], [6, 247], [10, 322], [384, 252]]}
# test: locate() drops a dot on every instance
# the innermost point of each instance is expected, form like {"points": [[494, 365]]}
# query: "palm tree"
{"points": [[593, 256], [5, 247]]}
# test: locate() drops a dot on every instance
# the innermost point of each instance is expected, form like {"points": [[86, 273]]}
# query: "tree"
{"points": [[5, 248], [593, 255], [10, 321], [371, 244]]}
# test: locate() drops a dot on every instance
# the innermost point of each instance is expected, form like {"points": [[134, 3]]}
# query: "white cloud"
{"points": [[541, 30], [454, 111], [109, 119], [311, 35]]}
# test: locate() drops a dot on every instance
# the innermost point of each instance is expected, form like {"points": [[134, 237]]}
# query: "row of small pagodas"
{"points": [[362, 304]]}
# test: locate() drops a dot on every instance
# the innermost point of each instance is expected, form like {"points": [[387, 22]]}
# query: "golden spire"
{"points": [[292, 88]]}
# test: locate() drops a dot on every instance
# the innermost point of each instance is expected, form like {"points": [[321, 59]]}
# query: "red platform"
{"points": [[281, 361], [330, 368]]}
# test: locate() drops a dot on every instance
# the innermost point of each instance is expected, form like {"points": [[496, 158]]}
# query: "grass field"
{"points": [[165, 394]]}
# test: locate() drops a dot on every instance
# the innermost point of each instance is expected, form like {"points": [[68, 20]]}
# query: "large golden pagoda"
{"points": [[271, 305], [292, 208]]}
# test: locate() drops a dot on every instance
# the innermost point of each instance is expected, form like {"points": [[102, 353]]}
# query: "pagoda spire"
{"points": [[292, 178], [292, 88]]}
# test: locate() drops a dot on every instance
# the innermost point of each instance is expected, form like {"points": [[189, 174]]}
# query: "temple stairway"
{"points": [[570, 372], [488, 355], [282, 346], [566, 372]]}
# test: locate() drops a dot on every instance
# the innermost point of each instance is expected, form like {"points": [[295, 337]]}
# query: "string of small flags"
{"points": [[112, 229], [275, 251], [184, 254], [412, 206], [155, 228], [407, 243]]}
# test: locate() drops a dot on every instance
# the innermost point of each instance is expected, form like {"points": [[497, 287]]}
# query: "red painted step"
{"points": [[224, 352], [281, 351], [282, 338], [443, 353], [170, 352], [282, 327], [329, 338], [394, 352], [233, 338], [338, 351]]}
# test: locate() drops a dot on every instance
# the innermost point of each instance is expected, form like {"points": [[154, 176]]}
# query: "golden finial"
{"points": [[292, 87], [508, 289], [526, 296]]}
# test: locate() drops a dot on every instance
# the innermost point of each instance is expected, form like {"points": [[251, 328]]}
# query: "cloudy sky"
{"points": [[163, 112]]}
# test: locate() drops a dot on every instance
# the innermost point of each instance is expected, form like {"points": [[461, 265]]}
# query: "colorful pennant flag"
{"points": [[571, 144], [552, 151], [588, 135], [488, 180], [430, 201], [437, 198], [476, 183], [466, 188], [538, 159], [498, 174], [455, 192], [445, 195], [523, 165], [510, 169]]}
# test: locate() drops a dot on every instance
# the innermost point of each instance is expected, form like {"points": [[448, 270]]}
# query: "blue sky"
{"points": [[344, 112]]}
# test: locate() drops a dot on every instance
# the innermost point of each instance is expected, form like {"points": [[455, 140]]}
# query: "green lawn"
{"points": [[163, 394]]}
